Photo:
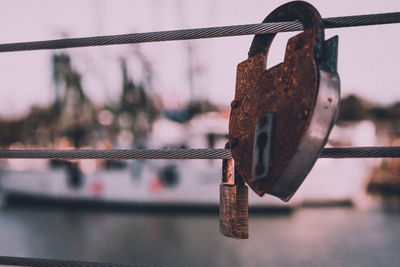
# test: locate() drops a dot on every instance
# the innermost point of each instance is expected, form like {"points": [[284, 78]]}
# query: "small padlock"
{"points": [[234, 216]]}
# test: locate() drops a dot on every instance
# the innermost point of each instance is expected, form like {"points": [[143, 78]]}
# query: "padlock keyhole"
{"points": [[262, 141]]}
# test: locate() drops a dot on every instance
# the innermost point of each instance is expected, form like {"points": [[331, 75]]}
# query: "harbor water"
{"points": [[329, 236]]}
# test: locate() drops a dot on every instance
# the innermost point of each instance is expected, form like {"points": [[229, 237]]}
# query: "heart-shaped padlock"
{"points": [[281, 117]]}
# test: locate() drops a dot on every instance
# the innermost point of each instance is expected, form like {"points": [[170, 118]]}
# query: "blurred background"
{"points": [[177, 95]]}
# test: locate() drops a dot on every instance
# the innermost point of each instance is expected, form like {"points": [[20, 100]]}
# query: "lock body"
{"points": [[281, 116], [234, 216]]}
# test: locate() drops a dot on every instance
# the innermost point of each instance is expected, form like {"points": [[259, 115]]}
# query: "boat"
{"points": [[138, 182]]}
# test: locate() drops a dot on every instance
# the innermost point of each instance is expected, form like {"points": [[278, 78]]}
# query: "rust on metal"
{"points": [[233, 204], [234, 218], [288, 91], [227, 169]]}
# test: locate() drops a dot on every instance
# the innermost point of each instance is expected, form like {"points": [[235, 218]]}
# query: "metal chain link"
{"points": [[199, 33], [339, 152]]}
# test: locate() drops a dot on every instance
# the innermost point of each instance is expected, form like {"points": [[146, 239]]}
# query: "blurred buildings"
{"points": [[385, 178], [72, 120]]}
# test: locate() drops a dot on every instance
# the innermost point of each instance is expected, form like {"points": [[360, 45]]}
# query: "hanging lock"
{"points": [[234, 219], [281, 117]]}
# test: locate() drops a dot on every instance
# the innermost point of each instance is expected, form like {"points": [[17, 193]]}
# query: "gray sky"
{"points": [[368, 56]]}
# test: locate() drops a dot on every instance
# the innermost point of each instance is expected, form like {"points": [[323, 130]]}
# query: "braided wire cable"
{"points": [[119, 154], [361, 152], [199, 33], [336, 153], [37, 262], [362, 20]]}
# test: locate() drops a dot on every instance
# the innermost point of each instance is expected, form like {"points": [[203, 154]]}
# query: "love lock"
{"points": [[281, 117], [233, 203]]}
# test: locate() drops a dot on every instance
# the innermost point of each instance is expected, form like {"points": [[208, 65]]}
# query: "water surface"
{"points": [[306, 237]]}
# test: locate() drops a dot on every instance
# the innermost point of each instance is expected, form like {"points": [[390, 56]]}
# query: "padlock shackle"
{"points": [[296, 10]]}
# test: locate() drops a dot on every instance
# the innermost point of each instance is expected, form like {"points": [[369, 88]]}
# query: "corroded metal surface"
{"points": [[288, 91], [234, 216]]}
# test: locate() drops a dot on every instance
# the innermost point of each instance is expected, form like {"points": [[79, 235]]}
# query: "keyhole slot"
{"points": [[261, 148], [262, 140]]}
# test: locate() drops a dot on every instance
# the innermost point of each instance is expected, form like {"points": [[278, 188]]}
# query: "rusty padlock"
{"points": [[281, 117], [233, 203]]}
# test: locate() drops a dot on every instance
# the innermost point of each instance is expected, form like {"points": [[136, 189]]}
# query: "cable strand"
{"points": [[336, 153], [37, 262], [200, 33]]}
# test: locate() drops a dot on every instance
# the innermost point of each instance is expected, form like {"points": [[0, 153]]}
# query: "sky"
{"points": [[368, 56]]}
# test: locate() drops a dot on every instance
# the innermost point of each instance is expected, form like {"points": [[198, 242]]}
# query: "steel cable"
{"points": [[361, 152], [339, 152], [119, 154], [199, 33], [36, 262]]}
